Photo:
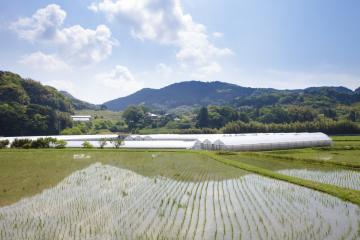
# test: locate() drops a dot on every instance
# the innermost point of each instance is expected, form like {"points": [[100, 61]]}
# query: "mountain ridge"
{"points": [[198, 93]]}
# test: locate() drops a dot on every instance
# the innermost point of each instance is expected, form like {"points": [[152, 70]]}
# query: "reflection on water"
{"points": [[106, 202]]}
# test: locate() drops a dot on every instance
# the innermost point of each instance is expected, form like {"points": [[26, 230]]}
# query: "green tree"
{"points": [[352, 116], [134, 117], [202, 119]]}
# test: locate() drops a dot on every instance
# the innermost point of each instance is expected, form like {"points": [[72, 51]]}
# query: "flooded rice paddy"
{"points": [[342, 178], [103, 201]]}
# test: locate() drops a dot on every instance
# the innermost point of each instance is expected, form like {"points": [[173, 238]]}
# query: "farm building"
{"points": [[81, 118]]}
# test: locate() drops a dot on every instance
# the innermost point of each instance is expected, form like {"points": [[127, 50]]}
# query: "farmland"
{"points": [[123, 194]]}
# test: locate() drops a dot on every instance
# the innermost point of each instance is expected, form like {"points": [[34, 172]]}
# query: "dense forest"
{"points": [[30, 108]]}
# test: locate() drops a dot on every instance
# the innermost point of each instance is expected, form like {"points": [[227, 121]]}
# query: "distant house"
{"points": [[152, 115], [81, 118]]}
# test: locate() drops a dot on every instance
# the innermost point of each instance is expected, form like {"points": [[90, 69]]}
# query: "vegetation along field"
{"points": [[119, 194]]}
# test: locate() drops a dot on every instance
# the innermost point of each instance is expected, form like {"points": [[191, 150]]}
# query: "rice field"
{"points": [[338, 176], [106, 202], [342, 178], [110, 194]]}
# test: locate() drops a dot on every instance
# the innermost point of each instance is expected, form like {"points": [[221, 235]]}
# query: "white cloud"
{"points": [[39, 60], [86, 45], [165, 22], [218, 34], [120, 80], [74, 44], [44, 24]]}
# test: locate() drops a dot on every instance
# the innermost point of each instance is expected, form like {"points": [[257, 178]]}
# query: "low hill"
{"points": [[29, 108]]}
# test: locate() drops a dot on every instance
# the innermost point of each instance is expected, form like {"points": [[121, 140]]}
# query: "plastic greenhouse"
{"points": [[243, 142], [218, 142]]}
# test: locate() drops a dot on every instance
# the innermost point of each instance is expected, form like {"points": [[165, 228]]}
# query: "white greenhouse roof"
{"points": [[159, 144]]}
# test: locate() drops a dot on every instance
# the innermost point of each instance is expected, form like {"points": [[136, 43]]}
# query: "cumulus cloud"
{"points": [[74, 44], [86, 45], [44, 24], [119, 79], [40, 60], [164, 21]]}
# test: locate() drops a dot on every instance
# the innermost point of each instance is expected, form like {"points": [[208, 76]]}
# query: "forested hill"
{"points": [[195, 93], [29, 108]]}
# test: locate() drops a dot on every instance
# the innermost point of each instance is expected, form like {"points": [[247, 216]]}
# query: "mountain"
{"points": [[196, 93], [29, 108], [79, 104], [183, 94], [357, 91]]}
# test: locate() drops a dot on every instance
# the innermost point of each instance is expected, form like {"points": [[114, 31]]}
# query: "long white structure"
{"points": [[241, 142], [219, 142]]}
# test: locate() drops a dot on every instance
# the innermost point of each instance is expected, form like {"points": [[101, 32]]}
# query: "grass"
{"points": [[25, 173], [342, 193], [101, 114]]}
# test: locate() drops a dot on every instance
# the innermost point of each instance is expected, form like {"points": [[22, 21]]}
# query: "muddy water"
{"points": [[107, 202]]}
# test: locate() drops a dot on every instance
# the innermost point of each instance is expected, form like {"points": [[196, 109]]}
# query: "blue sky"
{"points": [[103, 49]]}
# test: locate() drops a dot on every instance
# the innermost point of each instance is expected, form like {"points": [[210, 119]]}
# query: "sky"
{"points": [[99, 50]]}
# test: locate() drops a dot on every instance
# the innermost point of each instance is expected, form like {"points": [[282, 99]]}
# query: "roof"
{"points": [[81, 116]]}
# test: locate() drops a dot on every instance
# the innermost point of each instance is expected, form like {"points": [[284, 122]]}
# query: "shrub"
{"points": [[21, 143], [59, 144], [196, 131], [42, 142], [4, 143], [71, 131], [327, 126], [117, 142], [87, 145], [102, 143]]}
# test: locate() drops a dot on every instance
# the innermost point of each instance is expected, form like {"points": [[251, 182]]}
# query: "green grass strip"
{"points": [[340, 192]]}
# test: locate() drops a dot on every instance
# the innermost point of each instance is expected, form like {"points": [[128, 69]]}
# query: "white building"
{"points": [[81, 118]]}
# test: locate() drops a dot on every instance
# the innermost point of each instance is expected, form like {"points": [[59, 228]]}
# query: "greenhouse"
{"points": [[240, 142], [215, 142]]}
